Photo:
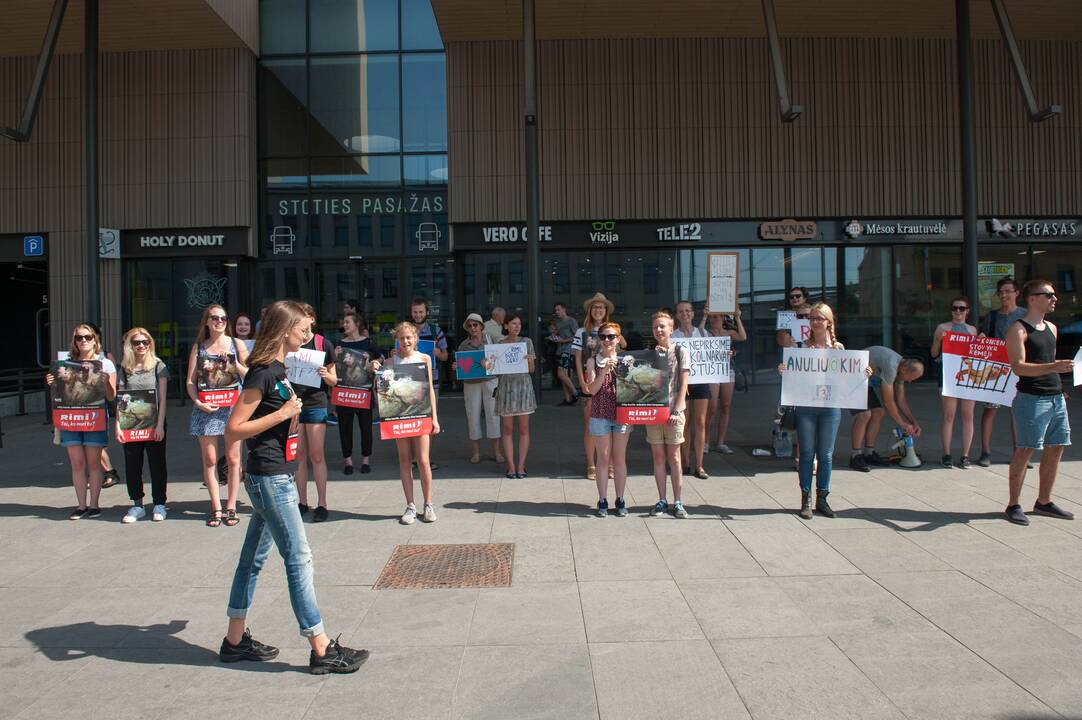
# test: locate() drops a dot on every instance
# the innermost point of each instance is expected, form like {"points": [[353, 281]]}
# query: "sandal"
{"points": [[591, 472], [701, 474], [215, 519], [231, 518]]}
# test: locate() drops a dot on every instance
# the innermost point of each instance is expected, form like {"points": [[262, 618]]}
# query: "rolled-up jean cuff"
{"points": [[313, 631], [316, 631], [235, 614]]}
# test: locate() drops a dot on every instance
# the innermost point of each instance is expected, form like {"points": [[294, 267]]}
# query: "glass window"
{"points": [[926, 279], [364, 171], [866, 314], [424, 102], [354, 105], [419, 29], [283, 92], [281, 26], [1062, 266], [354, 25], [426, 169], [996, 262], [806, 270]]}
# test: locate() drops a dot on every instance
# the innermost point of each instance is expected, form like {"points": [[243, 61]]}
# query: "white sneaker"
{"points": [[136, 513], [724, 449], [430, 514], [409, 516], [159, 513]]}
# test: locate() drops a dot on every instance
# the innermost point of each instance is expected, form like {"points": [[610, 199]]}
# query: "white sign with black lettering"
{"points": [[721, 283], [302, 367], [710, 359]]}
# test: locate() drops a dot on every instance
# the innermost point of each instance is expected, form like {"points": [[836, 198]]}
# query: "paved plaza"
{"points": [[917, 601]]}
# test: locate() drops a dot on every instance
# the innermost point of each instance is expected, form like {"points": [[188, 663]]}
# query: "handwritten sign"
{"points": [[470, 365], [709, 359], [302, 367], [722, 283], [1078, 368], [785, 319], [977, 368], [825, 378], [506, 359]]}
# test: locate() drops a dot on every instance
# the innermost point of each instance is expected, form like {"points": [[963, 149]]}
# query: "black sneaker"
{"points": [[621, 507], [78, 513], [247, 649], [948, 462], [876, 459], [366, 468], [857, 462], [337, 659], [93, 513], [347, 470], [1052, 510], [1016, 515], [964, 463], [603, 507], [320, 514], [303, 508]]}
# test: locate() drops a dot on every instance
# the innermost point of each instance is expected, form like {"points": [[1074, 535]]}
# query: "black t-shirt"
{"points": [[267, 450], [316, 397]]}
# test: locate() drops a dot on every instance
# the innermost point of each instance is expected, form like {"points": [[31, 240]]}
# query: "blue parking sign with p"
{"points": [[33, 246]]}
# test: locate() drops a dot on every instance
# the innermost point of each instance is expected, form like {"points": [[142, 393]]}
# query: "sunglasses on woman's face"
{"points": [[607, 337], [959, 308], [797, 296], [84, 338], [217, 318], [140, 343]]}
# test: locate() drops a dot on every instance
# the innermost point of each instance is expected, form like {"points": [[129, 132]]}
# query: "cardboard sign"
{"points": [[217, 380], [470, 365], [405, 401], [642, 388], [825, 378], [354, 388], [506, 359], [302, 367], [710, 361], [137, 414], [78, 395], [977, 368], [722, 283]]}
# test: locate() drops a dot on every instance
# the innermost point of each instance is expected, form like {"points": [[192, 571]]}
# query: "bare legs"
{"points": [[721, 406], [85, 466], [310, 448], [669, 454], [410, 449], [508, 423], [946, 432], [208, 448], [612, 449], [587, 439], [1050, 458], [697, 434], [565, 381]]}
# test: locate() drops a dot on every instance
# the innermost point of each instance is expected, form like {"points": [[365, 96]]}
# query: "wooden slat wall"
{"points": [[177, 149], [689, 128]]}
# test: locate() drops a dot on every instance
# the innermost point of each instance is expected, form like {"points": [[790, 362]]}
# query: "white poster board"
{"points": [[825, 378], [785, 319], [977, 368], [722, 283], [710, 361], [1078, 368], [302, 367], [506, 359]]}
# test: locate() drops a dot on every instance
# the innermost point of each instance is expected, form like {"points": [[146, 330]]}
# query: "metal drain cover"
{"points": [[422, 567]]}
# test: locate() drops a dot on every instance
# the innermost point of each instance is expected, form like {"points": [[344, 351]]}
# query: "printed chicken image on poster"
{"points": [[354, 388], [137, 414], [78, 395], [218, 380], [977, 368], [642, 388], [405, 405]]}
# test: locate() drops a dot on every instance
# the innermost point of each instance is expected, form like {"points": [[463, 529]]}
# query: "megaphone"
{"points": [[904, 446]]}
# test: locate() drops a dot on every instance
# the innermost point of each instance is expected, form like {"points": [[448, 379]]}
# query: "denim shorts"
{"points": [[1041, 420], [600, 427], [314, 416], [99, 438]]}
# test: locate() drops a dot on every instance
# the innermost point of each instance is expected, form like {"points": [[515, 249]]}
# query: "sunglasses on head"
{"points": [[84, 338], [607, 336], [959, 308], [140, 343], [217, 318]]}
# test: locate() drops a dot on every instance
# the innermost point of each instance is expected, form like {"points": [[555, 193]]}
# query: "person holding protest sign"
{"points": [[515, 401], [610, 437], [698, 395], [427, 330], [1040, 406], [142, 380], [216, 366], [312, 426], [479, 394], [244, 330], [355, 338], [110, 476], [666, 439], [721, 394], [414, 449], [265, 416], [995, 325], [798, 296], [886, 394], [817, 427], [957, 324], [84, 447], [598, 310]]}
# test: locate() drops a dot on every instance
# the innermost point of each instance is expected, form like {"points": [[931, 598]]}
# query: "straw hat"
{"points": [[598, 298], [472, 317]]}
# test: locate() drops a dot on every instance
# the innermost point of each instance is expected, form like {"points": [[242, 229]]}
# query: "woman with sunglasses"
{"points": [[265, 417], [355, 337], [85, 448], [610, 437], [480, 394], [515, 401], [140, 369], [208, 420], [797, 296], [598, 311], [957, 324]]}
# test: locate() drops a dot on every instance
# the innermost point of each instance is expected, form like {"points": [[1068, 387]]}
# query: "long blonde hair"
{"points": [[282, 316], [823, 309], [75, 346], [127, 360]]}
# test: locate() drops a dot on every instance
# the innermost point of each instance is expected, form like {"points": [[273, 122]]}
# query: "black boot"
{"points": [[821, 505], [805, 505]]}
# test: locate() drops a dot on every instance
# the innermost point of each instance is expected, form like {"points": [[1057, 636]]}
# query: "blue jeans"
{"points": [[816, 430], [276, 518]]}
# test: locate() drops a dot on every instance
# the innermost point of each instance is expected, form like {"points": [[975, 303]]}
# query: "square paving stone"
{"points": [[528, 614], [746, 607], [632, 610]]}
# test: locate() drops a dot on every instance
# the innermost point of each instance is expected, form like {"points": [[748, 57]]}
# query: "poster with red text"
{"points": [[405, 401], [642, 387], [218, 380], [354, 388], [78, 395], [137, 414], [977, 368]]}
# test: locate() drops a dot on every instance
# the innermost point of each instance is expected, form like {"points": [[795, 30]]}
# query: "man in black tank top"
{"points": [[1039, 408]]}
